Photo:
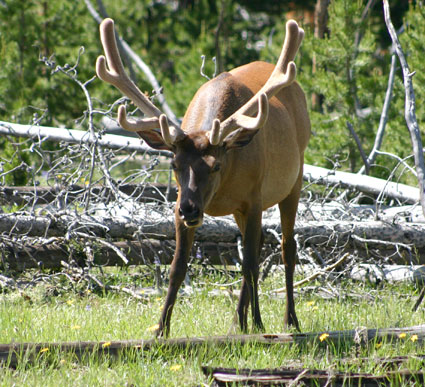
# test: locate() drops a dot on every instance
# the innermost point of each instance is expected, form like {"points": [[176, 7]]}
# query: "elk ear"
{"points": [[239, 138], [154, 139]]}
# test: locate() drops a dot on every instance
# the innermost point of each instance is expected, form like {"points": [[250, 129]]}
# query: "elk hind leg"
{"points": [[288, 211]]}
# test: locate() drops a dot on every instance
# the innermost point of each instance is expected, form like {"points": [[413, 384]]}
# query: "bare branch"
{"points": [[359, 146], [410, 108], [383, 120]]}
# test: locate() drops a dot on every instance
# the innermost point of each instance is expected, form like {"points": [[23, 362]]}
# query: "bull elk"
{"points": [[239, 150]]}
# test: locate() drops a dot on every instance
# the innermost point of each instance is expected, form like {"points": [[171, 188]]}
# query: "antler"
{"points": [[283, 75], [117, 77]]}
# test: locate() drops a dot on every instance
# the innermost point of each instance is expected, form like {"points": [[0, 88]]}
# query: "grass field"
{"points": [[57, 309]]}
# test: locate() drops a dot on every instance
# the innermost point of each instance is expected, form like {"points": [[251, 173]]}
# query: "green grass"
{"points": [[55, 311]]}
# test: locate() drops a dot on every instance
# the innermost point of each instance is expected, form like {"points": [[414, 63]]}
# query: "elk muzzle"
{"points": [[190, 213]]}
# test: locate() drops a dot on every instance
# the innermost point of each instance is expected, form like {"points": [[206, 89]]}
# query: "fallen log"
{"points": [[158, 223], [367, 184], [295, 377], [20, 257], [24, 195], [74, 136], [10, 354]]}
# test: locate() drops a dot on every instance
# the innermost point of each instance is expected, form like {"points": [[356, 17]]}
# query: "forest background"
{"points": [[343, 68]]}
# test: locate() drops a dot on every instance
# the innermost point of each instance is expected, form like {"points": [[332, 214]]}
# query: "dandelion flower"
{"points": [[175, 367], [414, 338], [70, 302], [311, 303], [378, 345], [323, 336], [42, 350], [402, 335], [106, 344]]}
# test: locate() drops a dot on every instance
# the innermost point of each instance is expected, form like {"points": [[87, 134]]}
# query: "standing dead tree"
{"points": [[410, 110]]}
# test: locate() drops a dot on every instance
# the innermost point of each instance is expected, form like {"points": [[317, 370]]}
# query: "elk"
{"points": [[239, 150]]}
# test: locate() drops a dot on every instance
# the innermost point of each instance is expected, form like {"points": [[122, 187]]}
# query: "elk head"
{"points": [[200, 153]]}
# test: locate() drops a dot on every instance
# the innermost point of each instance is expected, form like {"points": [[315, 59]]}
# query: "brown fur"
{"points": [[251, 178]]}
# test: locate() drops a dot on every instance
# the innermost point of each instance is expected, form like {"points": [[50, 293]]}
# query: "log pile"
{"points": [[143, 232]]}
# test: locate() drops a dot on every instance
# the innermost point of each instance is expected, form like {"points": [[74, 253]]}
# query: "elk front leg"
{"points": [[184, 241], [250, 226]]}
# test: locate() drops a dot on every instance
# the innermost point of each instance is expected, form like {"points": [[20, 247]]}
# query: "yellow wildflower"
{"points": [[106, 344], [42, 350], [70, 302], [414, 338], [311, 303], [75, 327], [378, 345], [402, 335], [175, 367], [323, 336]]}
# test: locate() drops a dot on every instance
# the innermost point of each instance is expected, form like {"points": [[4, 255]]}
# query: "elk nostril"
{"points": [[189, 211]]}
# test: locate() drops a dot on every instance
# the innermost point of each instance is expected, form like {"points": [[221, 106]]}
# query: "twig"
{"points": [[202, 68], [359, 146], [296, 381], [315, 275], [105, 243], [419, 300]]}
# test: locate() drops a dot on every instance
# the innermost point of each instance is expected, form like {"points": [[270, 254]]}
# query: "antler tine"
{"points": [[117, 76], [282, 76], [293, 39], [240, 120], [136, 125]]}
